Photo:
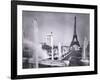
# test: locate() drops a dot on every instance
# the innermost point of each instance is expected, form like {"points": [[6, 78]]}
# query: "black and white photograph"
{"points": [[51, 39]]}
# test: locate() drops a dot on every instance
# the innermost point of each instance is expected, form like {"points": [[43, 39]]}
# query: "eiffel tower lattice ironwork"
{"points": [[75, 39]]}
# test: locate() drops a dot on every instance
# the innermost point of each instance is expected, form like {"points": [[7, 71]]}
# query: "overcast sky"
{"points": [[61, 24]]}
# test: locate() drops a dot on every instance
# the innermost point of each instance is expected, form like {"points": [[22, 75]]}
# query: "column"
{"points": [[52, 55], [84, 49], [59, 49], [35, 42]]}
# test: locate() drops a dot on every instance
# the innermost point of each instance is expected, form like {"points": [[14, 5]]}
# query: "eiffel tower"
{"points": [[75, 39]]}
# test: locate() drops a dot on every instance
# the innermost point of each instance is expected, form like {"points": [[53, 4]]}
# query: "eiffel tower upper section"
{"points": [[75, 38]]}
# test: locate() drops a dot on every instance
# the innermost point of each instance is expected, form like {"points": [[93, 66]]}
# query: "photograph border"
{"points": [[14, 4]]}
